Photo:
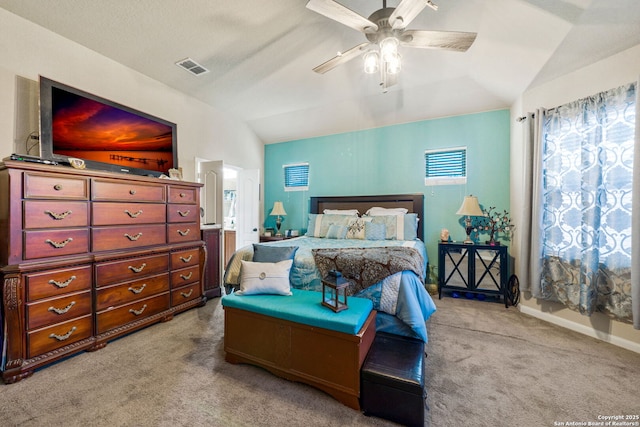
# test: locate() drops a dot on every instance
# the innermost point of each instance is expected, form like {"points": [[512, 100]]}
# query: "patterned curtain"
{"points": [[587, 179]]}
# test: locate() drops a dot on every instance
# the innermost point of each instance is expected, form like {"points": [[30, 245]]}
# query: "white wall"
{"points": [[612, 72], [28, 50]]}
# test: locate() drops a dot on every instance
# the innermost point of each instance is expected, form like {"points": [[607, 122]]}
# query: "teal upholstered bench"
{"points": [[297, 338]]}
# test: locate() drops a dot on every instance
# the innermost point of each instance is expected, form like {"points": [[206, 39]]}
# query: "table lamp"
{"points": [[278, 211], [470, 207]]}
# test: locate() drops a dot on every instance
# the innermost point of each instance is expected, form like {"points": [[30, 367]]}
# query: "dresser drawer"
{"points": [[186, 275], [186, 232], [54, 214], [115, 295], [117, 190], [43, 186], [183, 213], [185, 294], [52, 243], [185, 258], [56, 310], [126, 237], [178, 194], [47, 339], [130, 269], [53, 283], [106, 213], [113, 318]]}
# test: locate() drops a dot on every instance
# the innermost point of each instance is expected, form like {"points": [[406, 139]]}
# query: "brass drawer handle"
{"points": [[187, 259], [183, 195], [62, 284], [138, 269], [57, 187], [188, 276], [65, 336], [137, 290], [184, 233], [59, 245], [132, 238], [132, 192], [133, 214], [138, 312], [62, 310], [183, 214], [58, 216], [187, 294]]}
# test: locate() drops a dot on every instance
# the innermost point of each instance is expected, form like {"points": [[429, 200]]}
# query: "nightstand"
{"points": [[478, 269]]}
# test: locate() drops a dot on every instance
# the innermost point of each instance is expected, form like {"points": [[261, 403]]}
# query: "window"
{"points": [[296, 177], [447, 166]]}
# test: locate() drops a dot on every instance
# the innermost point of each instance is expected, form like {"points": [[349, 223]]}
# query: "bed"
{"points": [[390, 270]]}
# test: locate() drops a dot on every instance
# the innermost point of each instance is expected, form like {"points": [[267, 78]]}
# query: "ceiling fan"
{"points": [[385, 30]]}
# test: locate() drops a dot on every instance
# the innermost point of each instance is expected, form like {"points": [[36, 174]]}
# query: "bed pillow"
{"points": [[265, 278], [351, 212], [399, 227], [337, 231], [375, 231], [377, 211], [267, 253], [355, 229], [319, 223]]}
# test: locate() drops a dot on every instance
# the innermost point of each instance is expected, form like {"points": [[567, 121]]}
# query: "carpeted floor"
{"points": [[486, 366]]}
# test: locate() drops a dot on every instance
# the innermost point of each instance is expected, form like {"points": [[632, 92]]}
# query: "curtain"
{"points": [[587, 183], [635, 244]]}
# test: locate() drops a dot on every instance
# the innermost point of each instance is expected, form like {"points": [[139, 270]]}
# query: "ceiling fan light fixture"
{"points": [[371, 60], [389, 48], [394, 64]]}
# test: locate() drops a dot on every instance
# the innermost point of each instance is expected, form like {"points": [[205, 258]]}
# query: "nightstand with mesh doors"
{"points": [[473, 270]]}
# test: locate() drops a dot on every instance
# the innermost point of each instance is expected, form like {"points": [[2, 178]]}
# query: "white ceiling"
{"points": [[261, 54]]}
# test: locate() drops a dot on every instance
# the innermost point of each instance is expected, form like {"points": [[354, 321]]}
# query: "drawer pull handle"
{"points": [[58, 216], [184, 233], [59, 245], [133, 214], [62, 284], [132, 192], [138, 269], [57, 187], [187, 294], [132, 238], [138, 312], [187, 259], [138, 290], [183, 214], [62, 310], [65, 336], [183, 195], [188, 276]]}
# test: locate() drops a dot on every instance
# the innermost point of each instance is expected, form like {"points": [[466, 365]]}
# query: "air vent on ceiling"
{"points": [[192, 66]]}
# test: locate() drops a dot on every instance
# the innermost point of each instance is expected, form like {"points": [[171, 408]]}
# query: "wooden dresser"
{"points": [[87, 256]]}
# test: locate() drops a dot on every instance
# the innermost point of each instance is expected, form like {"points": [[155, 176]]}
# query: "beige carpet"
{"points": [[486, 366]]}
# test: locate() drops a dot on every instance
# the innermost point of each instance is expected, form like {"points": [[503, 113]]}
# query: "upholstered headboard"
{"points": [[414, 203]]}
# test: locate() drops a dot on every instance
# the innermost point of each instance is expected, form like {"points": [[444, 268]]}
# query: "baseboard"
{"points": [[585, 330]]}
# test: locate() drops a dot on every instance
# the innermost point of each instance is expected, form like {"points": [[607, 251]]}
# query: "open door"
{"points": [[212, 176], [248, 218]]}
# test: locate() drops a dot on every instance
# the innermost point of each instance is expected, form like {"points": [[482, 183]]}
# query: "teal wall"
{"points": [[390, 160]]}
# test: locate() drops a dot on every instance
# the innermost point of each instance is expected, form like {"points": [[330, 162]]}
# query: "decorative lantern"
{"points": [[334, 291]]}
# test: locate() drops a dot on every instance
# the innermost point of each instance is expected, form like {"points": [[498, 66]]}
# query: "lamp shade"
{"points": [[470, 207], [278, 209]]}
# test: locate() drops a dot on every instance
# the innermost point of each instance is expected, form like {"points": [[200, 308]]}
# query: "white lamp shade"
{"points": [[470, 207], [278, 209]]}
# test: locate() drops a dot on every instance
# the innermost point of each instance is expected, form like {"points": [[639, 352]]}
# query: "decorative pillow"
{"points": [[265, 278], [337, 231], [375, 231], [399, 227], [319, 223], [377, 211], [351, 212], [356, 228], [267, 253]]}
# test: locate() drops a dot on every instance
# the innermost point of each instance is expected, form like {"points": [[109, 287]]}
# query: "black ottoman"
{"points": [[393, 381]]}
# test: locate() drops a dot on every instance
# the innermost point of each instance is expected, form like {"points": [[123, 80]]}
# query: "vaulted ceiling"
{"points": [[261, 53]]}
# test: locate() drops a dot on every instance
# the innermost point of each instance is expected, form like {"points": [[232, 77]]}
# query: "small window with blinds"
{"points": [[296, 177], [446, 166]]}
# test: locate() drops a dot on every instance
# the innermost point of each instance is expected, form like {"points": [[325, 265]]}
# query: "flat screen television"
{"points": [[105, 134]]}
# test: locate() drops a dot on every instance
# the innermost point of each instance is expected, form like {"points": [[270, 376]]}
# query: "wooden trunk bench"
{"points": [[282, 334]]}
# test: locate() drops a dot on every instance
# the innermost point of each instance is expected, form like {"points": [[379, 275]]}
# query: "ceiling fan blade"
{"points": [[448, 40], [406, 11], [344, 15], [341, 58]]}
